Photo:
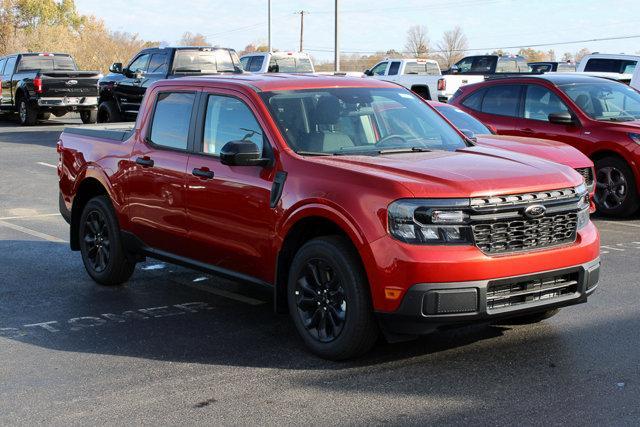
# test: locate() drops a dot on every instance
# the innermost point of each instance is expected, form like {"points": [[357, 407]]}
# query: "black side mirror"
{"points": [[469, 134], [454, 69], [563, 118], [242, 153], [116, 67], [368, 73]]}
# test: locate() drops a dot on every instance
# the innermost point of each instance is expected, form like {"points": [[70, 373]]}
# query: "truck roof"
{"points": [[280, 81]]}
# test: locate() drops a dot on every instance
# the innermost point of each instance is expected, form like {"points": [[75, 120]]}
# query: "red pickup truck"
{"points": [[360, 206]]}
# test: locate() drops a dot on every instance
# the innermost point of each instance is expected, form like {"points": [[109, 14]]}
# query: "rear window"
{"points": [[425, 68], [172, 119], [203, 61], [605, 65], [477, 64], [46, 63], [566, 67], [290, 64]]}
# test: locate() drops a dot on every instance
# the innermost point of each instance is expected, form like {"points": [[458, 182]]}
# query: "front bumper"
{"points": [[68, 102], [429, 306]]}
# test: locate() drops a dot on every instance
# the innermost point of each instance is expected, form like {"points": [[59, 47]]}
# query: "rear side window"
{"points": [[229, 119], [540, 102], [256, 63], [605, 65], [426, 68], [158, 64], [172, 120], [474, 101], [245, 63], [502, 100], [393, 68]]}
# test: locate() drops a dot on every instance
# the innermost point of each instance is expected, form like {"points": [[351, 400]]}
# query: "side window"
{"points": [[393, 69], [540, 102], [2, 62], [172, 119], [502, 100], [244, 62], [229, 119], [474, 101], [139, 64], [379, 69], [11, 64], [256, 63], [158, 64]]}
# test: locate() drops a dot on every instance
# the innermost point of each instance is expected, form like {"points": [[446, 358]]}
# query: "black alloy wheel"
{"points": [[320, 301], [615, 192], [96, 239]]}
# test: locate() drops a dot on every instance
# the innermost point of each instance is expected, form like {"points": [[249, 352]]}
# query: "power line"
{"points": [[497, 48]]}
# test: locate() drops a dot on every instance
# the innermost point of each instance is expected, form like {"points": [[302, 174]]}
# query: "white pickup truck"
{"points": [[277, 62], [617, 67], [422, 76]]}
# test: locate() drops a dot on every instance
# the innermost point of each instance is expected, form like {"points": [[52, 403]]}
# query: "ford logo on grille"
{"points": [[535, 211], [71, 82]]}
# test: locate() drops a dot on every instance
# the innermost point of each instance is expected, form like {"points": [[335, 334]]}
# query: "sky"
{"points": [[379, 25]]}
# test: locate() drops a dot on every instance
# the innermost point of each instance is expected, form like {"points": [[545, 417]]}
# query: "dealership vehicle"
{"points": [[122, 90], [36, 85], [546, 149], [597, 116], [616, 67], [488, 65], [277, 62], [635, 79], [552, 67], [351, 198]]}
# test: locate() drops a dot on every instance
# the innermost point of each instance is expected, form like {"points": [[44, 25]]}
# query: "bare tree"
{"points": [[190, 39], [567, 57], [417, 41], [581, 54], [451, 48]]}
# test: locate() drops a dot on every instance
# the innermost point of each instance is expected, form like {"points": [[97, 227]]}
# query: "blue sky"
{"points": [[370, 25]]}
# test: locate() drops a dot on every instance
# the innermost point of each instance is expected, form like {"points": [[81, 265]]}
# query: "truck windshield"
{"points": [[46, 63], [606, 101], [290, 64], [364, 121], [204, 61]]}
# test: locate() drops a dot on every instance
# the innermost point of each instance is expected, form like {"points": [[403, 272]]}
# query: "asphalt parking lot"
{"points": [[176, 346]]}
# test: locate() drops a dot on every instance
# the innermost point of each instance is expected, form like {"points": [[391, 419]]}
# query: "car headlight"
{"points": [[584, 214], [635, 137], [430, 221]]}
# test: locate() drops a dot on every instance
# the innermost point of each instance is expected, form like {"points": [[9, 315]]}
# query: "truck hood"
{"points": [[470, 172], [543, 148]]}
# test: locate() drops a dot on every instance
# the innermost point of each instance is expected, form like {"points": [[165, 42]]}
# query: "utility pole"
{"points": [[336, 47], [302, 13], [269, 24]]}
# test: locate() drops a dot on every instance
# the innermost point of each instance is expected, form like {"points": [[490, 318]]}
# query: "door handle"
{"points": [[527, 130], [203, 173], [145, 162]]}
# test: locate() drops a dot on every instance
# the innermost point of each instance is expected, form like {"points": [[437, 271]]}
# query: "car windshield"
{"points": [[462, 120], [205, 61], [606, 101], [47, 63], [368, 121]]}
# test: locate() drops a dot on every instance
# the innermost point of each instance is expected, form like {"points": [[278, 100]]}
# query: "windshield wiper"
{"points": [[404, 150], [311, 153]]}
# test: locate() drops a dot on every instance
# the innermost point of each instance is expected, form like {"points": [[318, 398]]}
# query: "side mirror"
{"points": [[116, 67], [469, 134], [242, 153], [454, 69], [368, 73], [563, 118]]}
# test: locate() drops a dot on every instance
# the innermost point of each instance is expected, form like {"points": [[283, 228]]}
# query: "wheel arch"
{"points": [[601, 154], [88, 188]]}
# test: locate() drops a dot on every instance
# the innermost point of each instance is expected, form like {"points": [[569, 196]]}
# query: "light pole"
{"points": [[269, 25], [336, 48], [302, 13]]}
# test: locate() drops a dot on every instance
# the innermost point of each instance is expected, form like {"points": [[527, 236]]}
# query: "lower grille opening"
{"points": [[500, 295]]}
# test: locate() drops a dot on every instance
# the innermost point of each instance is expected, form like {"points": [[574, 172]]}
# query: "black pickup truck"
{"points": [[122, 90], [36, 85], [486, 65]]}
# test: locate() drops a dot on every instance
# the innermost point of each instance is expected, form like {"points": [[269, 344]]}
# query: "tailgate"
{"points": [[70, 83]]}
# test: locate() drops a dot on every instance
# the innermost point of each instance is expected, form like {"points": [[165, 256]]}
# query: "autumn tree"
{"points": [[417, 41], [190, 39], [255, 47], [581, 54], [451, 48]]}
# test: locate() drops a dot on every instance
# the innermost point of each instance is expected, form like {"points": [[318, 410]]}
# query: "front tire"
{"points": [[108, 112], [101, 247], [616, 193], [89, 116], [329, 301], [27, 115]]}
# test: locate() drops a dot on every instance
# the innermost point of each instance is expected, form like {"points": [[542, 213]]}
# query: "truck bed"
{"points": [[111, 131]]}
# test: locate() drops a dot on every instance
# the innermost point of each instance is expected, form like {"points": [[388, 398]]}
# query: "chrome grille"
{"points": [[524, 291], [522, 234]]}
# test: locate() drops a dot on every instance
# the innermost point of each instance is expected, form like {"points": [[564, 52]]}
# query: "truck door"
{"points": [[127, 90], [7, 84], [230, 221], [157, 178]]}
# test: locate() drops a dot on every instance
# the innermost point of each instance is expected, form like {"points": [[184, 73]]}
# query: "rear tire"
{"points": [[27, 115], [530, 318], [108, 112], [101, 246], [329, 301], [89, 116], [616, 193]]}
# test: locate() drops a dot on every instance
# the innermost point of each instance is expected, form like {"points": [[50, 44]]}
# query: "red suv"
{"points": [[599, 117]]}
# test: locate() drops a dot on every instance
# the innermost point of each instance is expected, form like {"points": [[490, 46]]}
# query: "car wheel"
{"points": [[27, 115], [530, 318], [616, 193], [108, 112], [329, 301], [89, 116], [44, 116], [101, 246]]}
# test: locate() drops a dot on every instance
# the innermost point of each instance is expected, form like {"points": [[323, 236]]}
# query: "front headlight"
{"points": [[430, 221], [584, 214]]}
